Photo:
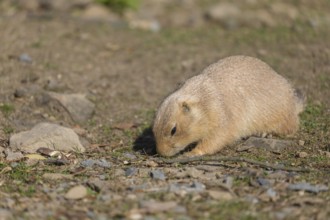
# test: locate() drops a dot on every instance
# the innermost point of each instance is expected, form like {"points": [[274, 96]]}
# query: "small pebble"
{"points": [[76, 192], [57, 176], [25, 58], [302, 154], [103, 163], [263, 182], [96, 184], [91, 162], [220, 195], [19, 93], [301, 143], [151, 163], [198, 186], [131, 171], [130, 156], [308, 187], [271, 193], [157, 175], [229, 180]]}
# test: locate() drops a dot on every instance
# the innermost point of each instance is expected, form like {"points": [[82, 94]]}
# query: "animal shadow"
{"points": [[145, 143]]}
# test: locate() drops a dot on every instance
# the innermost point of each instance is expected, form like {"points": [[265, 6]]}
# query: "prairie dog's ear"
{"points": [[185, 107], [187, 103]]}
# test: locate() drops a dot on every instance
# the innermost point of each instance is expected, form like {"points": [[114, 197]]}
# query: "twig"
{"points": [[232, 159]]}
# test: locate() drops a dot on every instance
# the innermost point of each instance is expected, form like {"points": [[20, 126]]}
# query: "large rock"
{"points": [[231, 16], [99, 13], [227, 14], [47, 135], [78, 106]]}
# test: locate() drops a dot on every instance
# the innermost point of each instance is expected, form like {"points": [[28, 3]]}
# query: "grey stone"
{"points": [[27, 90], [103, 163], [130, 156], [264, 182], [91, 162], [228, 181], [25, 58], [46, 135], [88, 163], [20, 92], [273, 145], [78, 106], [308, 187], [157, 175], [14, 164], [226, 14], [54, 85], [198, 186], [271, 193], [194, 187], [131, 171], [13, 156], [96, 184]]}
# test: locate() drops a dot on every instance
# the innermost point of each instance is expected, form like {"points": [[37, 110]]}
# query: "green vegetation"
{"points": [[21, 179], [120, 5], [228, 210], [21, 172], [28, 191], [8, 130], [6, 109], [36, 44], [314, 117], [51, 66]]}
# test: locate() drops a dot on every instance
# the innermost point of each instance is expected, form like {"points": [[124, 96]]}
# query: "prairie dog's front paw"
{"points": [[194, 153]]}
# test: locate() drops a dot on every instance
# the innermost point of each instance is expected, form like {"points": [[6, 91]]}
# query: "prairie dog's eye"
{"points": [[173, 130]]}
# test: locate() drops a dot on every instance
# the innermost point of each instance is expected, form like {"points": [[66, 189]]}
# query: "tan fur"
{"points": [[233, 98]]}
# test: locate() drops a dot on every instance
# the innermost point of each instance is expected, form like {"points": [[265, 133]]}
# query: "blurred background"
{"points": [[155, 15], [135, 52]]}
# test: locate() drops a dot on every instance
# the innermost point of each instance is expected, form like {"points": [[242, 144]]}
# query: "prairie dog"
{"points": [[237, 96]]}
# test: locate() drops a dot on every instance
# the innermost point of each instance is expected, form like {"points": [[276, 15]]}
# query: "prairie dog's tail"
{"points": [[300, 100]]}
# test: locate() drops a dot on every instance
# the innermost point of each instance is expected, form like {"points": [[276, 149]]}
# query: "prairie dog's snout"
{"points": [[235, 97]]}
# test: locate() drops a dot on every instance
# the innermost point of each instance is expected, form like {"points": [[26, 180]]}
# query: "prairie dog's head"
{"points": [[177, 124]]}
